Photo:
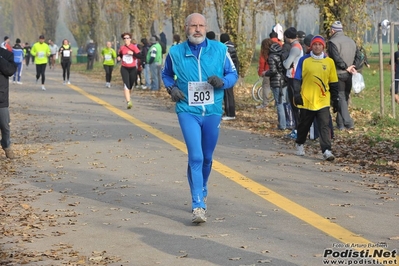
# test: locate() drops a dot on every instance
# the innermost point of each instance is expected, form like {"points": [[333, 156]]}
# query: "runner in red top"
{"points": [[128, 55]]}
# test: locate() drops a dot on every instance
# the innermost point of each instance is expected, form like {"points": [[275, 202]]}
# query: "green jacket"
{"points": [[155, 51], [41, 52], [109, 56]]}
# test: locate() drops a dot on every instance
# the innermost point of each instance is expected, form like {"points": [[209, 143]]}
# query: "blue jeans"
{"points": [[17, 74], [201, 134], [5, 127], [147, 75], [155, 73], [280, 97]]}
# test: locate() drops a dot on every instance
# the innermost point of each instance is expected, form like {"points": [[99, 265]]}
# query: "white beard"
{"points": [[196, 40]]}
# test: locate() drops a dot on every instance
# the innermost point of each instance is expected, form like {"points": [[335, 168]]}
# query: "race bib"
{"points": [[200, 93], [40, 54], [107, 57], [66, 53], [127, 58]]}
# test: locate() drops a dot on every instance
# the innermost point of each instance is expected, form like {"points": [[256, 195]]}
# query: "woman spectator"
{"points": [[263, 67], [278, 83]]}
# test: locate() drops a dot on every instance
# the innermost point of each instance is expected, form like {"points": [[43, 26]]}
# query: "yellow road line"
{"points": [[334, 230]]}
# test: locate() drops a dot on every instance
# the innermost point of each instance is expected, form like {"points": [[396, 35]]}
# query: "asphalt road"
{"points": [[114, 181]]}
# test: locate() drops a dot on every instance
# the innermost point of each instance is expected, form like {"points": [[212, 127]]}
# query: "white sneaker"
{"points": [[68, 82], [43, 88], [13, 82], [328, 156], [300, 151], [19, 82], [144, 87], [227, 118], [261, 106], [198, 215], [106, 84], [64, 82]]}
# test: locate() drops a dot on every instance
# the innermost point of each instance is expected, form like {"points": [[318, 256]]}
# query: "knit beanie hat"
{"points": [[337, 26], [318, 39], [224, 37], [308, 39], [290, 33]]}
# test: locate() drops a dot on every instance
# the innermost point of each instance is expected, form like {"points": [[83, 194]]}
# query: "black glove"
{"points": [[335, 104], [216, 82], [298, 99], [175, 93], [266, 73]]}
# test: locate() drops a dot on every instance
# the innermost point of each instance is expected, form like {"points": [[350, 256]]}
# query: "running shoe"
{"points": [[199, 215]]}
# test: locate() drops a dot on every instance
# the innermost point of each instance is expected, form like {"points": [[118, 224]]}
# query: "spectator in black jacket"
{"points": [[229, 102], [7, 69], [278, 83]]}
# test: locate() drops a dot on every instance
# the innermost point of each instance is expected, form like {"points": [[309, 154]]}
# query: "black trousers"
{"points": [[27, 60], [229, 102], [295, 110], [323, 125], [90, 62], [108, 73], [66, 69], [40, 71]]}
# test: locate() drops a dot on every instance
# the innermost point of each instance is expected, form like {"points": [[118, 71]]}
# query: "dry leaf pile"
{"points": [[351, 147]]}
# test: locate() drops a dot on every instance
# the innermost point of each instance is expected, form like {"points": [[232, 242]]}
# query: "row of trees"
{"points": [[101, 20]]}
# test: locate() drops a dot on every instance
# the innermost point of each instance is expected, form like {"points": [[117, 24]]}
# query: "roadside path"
{"points": [[99, 184]]}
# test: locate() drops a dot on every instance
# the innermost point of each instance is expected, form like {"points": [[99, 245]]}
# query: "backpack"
{"points": [[91, 49]]}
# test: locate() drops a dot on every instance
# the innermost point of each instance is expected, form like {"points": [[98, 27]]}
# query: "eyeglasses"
{"points": [[126, 38]]}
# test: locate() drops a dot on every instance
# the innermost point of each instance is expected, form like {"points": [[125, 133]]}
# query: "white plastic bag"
{"points": [[357, 83]]}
